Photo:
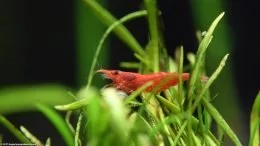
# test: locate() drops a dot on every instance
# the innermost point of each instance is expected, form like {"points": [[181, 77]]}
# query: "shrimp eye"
{"points": [[116, 72]]}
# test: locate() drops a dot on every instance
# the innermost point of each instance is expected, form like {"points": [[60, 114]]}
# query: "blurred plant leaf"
{"points": [[58, 122], [23, 98], [255, 122]]}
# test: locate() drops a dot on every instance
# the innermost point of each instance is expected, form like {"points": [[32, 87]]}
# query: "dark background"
{"points": [[37, 45]]}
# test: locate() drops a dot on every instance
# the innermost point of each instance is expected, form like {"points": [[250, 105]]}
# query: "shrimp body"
{"points": [[129, 81]]}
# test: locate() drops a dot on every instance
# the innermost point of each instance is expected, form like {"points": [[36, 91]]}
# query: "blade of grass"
{"points": [[200, 54], [180, 69], [17, 133], [30, 136], [209, 82], [172, 107], [121, 31], [58, 122], [107, 32], [221, 122], [255, 122], [205, 88]]}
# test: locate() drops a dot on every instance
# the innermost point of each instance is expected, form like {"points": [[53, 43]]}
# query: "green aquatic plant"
{"points": [[180, 115]]}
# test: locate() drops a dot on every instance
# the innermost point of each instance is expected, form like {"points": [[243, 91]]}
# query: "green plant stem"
{"points": [[67, 119], [107, 32], [153, 29], [121, 31], [77, 139]]}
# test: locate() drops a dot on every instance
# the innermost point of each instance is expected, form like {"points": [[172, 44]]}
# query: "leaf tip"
{"points": [[60, 107]]}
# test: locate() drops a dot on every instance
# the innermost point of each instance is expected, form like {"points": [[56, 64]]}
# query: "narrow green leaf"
{"points": [[67, 119], [209, 33], [76, 138], [221, 122], [255, 122], [209, 82], [85, 96], [200, 54], [180, 70], [121, 31], [174, 108], [1, 138], [30, 136]]}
